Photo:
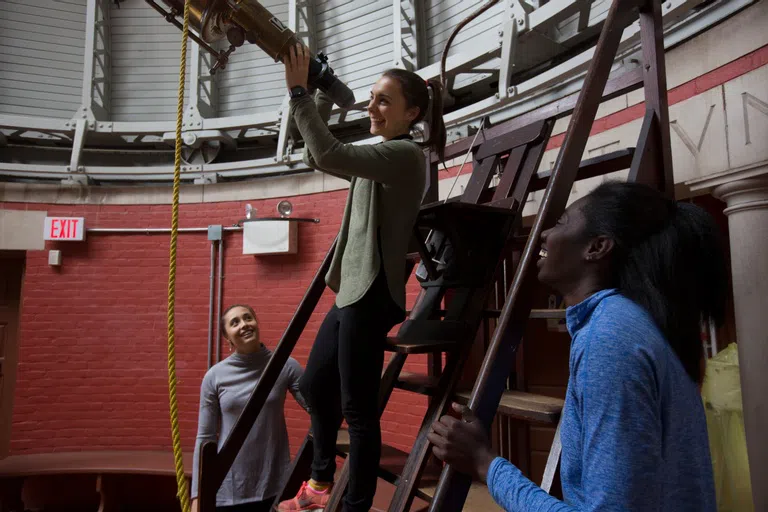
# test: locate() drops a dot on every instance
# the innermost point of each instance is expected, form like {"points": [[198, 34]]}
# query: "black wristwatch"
{"points": [[298, 92]]}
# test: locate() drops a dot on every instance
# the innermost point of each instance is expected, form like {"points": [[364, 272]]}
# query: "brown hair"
{"points": [[230, 308], [416, 93]]}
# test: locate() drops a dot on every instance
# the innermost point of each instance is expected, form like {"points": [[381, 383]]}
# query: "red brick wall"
{"points": [[92, 369]]}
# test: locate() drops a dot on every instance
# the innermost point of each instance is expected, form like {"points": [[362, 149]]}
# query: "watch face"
{"points": [[297, 91]]}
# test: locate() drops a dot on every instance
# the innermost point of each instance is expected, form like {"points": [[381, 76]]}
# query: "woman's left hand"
{"points": [[462, 443], [297, 66]]}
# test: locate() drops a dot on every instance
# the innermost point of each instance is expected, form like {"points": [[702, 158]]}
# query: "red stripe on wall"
{"points": [[682, 92]]}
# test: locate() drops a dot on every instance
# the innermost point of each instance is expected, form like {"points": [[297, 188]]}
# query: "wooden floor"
{"points": [[72, 477]]}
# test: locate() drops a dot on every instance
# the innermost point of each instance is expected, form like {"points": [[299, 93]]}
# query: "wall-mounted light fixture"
{"points": [[284, 208]]}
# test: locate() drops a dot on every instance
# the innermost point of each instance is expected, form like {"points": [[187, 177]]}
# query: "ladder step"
{"points": [[420, 383], [525, 406], [395, 344], [515, 404], [393, 462], [478, 499], [416, 383]]}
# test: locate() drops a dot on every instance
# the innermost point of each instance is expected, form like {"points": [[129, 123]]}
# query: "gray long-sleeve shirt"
{"points": [[259, 468]]}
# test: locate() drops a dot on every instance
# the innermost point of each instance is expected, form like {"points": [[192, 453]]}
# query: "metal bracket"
{"points": [[200, 146], [284, 140], [192, 120], [79, 180], [81, 128], [301, 19], [311, 220], [462, 131], [519, 9], [194, 138], [207, 179], [203, 87], [508, 50], [96, 66]]}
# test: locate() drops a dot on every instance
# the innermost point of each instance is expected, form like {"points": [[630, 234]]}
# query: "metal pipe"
{"points": [[218, 298], [461, 25], [155, 231], [210, 305]]}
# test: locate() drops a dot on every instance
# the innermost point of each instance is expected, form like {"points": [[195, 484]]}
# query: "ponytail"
{"points": [[416, 92], [668, 257]]}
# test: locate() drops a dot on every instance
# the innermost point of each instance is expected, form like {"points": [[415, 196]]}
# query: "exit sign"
{"points": [[64, 228]]}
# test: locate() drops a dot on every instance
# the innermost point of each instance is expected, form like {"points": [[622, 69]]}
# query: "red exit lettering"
{"points": [[63, 228]]}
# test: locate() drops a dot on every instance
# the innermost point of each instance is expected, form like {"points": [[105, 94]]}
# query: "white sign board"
{"points": [[269, 237], [64, 228]]}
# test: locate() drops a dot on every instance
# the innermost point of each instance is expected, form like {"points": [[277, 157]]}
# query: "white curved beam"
{"points": [[541, 89]]}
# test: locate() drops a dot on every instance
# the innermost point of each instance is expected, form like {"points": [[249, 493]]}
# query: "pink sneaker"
{"points": [[307, 499]]}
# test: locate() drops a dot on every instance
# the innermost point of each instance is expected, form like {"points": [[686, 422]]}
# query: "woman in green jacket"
{"points": [[387, 183]]}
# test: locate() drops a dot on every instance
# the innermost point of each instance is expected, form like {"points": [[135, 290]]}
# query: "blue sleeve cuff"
{"points": [[493, 469]]}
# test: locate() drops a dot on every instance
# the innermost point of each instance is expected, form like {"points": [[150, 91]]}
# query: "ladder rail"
{"points": [[453, 487], [409, 483], [646, 162], [622, 84], [654, 167]]}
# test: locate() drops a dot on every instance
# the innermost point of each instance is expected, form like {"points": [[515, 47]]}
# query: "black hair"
{"points": [[222, 327], [416, 93], [668, 257]]}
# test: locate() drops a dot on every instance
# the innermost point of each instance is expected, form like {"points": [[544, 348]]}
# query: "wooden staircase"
{"points": [[475, 240]]}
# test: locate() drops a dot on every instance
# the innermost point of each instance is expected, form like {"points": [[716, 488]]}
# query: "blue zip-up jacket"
{"points": [[633, 430]]}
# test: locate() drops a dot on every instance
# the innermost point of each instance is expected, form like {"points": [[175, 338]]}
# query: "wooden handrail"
{"points": [[453, 487], [622, 84]]}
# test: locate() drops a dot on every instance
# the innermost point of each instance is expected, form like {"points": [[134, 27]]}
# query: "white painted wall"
{"points": [[442, 17], [357, 37], [41, 57], [253, 82], [145, 63]]}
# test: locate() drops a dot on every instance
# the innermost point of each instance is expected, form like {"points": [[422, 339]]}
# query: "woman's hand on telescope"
{"points": [[297, 66]]}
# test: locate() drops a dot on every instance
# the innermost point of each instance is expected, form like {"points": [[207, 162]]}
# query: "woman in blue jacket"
{"points": [[638, 272]]}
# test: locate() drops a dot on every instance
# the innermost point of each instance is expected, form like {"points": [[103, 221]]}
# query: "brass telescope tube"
{"points": [[247, 20], [263, 28]]}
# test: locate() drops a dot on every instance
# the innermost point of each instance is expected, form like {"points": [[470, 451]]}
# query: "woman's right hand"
{"points": [[195, 505], [297, 66]]}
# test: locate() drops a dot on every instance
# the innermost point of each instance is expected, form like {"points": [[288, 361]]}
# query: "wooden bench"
{"points": [[102, 481]]}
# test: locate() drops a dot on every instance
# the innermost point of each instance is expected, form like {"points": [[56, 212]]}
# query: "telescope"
{"points": [[239, 21]]}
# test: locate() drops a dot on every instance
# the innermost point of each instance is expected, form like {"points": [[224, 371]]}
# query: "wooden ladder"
{"points": [[650, 163], [471, 236]]}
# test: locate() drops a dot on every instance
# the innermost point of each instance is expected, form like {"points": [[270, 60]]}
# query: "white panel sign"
{"points": [[64, 228]]}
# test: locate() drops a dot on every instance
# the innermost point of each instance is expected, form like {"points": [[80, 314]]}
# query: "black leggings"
{"points": [[342, 381]]}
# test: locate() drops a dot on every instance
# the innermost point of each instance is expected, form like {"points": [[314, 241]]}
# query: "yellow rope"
{"points": [[181, 481]]}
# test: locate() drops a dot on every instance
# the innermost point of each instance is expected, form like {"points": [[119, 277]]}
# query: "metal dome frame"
{"points": [[524, 32]]}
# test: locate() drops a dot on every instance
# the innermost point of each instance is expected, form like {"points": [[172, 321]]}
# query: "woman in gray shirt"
{"points": [[255, 477]]}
